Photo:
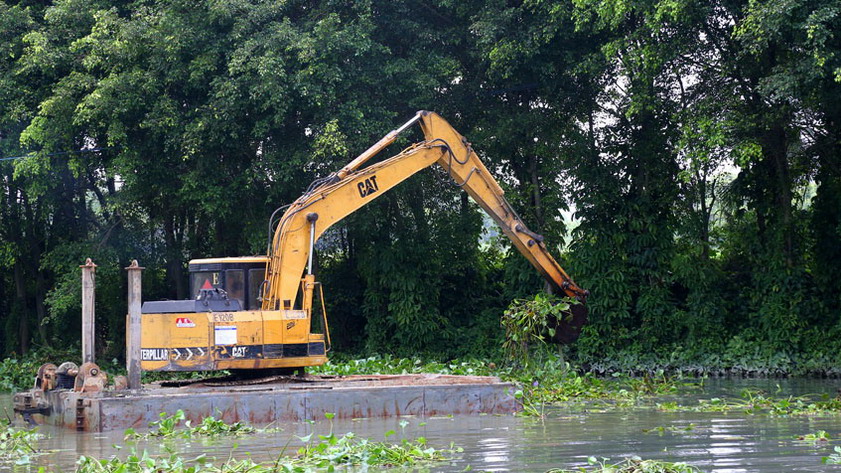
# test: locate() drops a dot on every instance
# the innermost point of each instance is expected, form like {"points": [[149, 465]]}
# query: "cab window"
{"points": [[235, 285], [255, 280], [206, 279]]}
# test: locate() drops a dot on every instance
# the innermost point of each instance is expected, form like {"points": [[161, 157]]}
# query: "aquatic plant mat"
{"points": [[318, 453], [326, 453], [18, 446], [632, 465]]}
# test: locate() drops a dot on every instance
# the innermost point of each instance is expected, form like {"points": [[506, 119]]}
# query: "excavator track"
{"points": [[243, 378]]}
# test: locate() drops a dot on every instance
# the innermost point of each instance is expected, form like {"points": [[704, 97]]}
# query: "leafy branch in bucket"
{"points": [[530, 322]]}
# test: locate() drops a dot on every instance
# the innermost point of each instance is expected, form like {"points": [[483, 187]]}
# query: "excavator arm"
{"points": [[333, 198]]}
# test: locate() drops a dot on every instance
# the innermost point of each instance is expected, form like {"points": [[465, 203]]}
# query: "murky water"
{"points": [[714, 442]]}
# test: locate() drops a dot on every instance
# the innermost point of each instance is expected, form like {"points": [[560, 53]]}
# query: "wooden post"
{"points": [[88, 311], [133, 325]]}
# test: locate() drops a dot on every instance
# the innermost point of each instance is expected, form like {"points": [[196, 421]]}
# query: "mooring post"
{"points": [[133, 325], [88, 310]]}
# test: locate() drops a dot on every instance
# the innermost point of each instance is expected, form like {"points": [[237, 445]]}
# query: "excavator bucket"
{"points": [[568, 329]]}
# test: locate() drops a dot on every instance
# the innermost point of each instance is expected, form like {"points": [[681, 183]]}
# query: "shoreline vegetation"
{"points": [[546, 380], [546, 366], [17, 373]]}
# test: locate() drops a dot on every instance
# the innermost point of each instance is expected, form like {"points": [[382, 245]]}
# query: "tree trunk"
{"points": [[775, 148], [705, 216], [40, 307], [536, 199], [23, 309], [174, 266]]}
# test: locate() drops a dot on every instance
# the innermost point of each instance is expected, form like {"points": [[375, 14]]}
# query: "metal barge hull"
{"points": [[283, 401]]}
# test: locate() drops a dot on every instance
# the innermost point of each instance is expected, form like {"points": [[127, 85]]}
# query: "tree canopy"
{"points": [[683, 157]]}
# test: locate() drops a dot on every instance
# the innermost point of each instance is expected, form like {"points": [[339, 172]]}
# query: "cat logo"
{"points": [[368, 186], [239, 352]]}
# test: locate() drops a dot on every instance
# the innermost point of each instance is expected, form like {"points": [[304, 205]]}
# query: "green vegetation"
{"points": [[143, 463], [388, 364], [633, 465], [348, 450], [168, 427], [833, 458], [548, 372], [757, 402], [17, 445], [327, 454], [662, 429], [550, 385], [528, 322], [18, 374], [548, 379], [318, 453], [815, 438]]}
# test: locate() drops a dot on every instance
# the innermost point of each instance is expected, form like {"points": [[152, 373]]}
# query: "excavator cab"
{"points": [[222, 325], [239, 278]]}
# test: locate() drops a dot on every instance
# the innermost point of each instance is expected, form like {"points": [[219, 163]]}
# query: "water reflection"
{"points": [[731, 442]]}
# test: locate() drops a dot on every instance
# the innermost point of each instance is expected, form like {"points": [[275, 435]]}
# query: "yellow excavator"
{"points": [[256, 312]]}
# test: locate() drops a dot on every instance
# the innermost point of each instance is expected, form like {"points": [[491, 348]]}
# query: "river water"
{"points": [[733, 442]]}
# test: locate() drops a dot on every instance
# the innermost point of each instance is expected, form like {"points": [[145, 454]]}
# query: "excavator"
{"points": [[257, 312]]}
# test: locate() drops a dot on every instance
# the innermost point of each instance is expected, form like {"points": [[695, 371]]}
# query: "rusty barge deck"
{"points": [[287, 400]]}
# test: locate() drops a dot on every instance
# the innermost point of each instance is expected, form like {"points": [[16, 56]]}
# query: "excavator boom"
{"points": [[332, 199]]}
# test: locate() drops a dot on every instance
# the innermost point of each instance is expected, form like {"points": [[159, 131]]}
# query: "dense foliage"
{"points": [[696, 144]]}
